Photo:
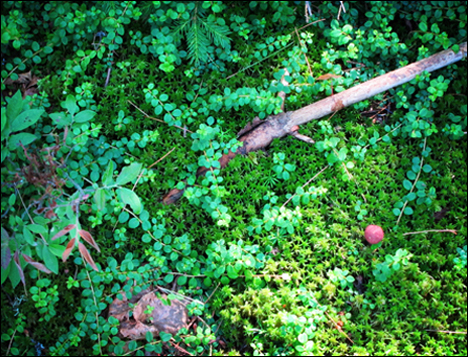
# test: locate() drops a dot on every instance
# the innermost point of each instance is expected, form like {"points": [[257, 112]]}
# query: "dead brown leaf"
{"points": [[26, 82], [20, 269], [120, 308], [135, 330], [36, 265], [68, 250], [89, 238], [64, 231], [149, 315], [327, 76], [86, 256]]}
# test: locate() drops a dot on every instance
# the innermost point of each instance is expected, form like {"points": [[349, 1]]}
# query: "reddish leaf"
{"points": [[6, 252], [6, 257], [327, 76], [18, 265], [87, 237], [36, 265], [50, 214], [64, 231], [68, 250], [85, 254], [65, 134]]}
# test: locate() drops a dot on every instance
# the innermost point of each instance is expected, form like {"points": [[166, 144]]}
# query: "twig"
{"points": [[415, 183], [158, 120], [398, 127], [301, 137], [203, 321], [339, 328], [157, 162], [285, 83], [306, 184], [11, 341], [108, 76], [305, 26], [27, 211], [341, 7], [191, 323], [95, 304], [246, 68], [8, 296], [206, 302], [433, 231], [180, 348], [305, 55], [449, 332], [161, 159], [169, 292]]}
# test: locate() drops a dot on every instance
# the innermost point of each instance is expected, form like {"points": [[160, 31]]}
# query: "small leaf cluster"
{"points": [[303, 196], [302, 329], [281, 218], [417, 188], [201, 341], [45, 297], [362, 212], [282, 170], [383, 271], [460, 262], [342, 277]]}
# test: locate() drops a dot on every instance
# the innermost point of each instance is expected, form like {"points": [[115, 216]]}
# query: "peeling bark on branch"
{"points": [[260, 134]]}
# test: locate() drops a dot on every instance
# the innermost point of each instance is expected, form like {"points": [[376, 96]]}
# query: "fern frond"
{"points": [[181, 28], [106, 6], [217, 33], [197, 44]]}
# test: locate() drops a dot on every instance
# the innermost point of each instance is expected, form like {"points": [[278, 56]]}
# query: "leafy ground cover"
{"points": [[106, 106]]}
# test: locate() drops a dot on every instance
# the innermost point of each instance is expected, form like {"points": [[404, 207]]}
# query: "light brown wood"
{"points": [[261, 133]]}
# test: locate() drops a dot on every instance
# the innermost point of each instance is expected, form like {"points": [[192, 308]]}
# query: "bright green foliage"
{"points": [[392, 264], [135, 98], [460, 262], [360, 211], [282, 170], [45, 298], [342, 277], [418, 191]]}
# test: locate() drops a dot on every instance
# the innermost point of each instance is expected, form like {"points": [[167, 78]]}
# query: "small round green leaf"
{"points": [[408, 211]]}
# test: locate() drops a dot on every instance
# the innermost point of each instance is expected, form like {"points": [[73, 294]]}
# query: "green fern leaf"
{"points": [[218, 34], [198, 45]]}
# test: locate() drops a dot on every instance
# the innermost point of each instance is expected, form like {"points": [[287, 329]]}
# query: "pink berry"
{"points": [[374, 234]]}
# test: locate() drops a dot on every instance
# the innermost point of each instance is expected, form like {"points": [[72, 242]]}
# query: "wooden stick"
{"points": [[374, 86], [283, 124]]}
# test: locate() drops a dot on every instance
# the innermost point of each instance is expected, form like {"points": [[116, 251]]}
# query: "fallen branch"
{"points": [[278, 126]]}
